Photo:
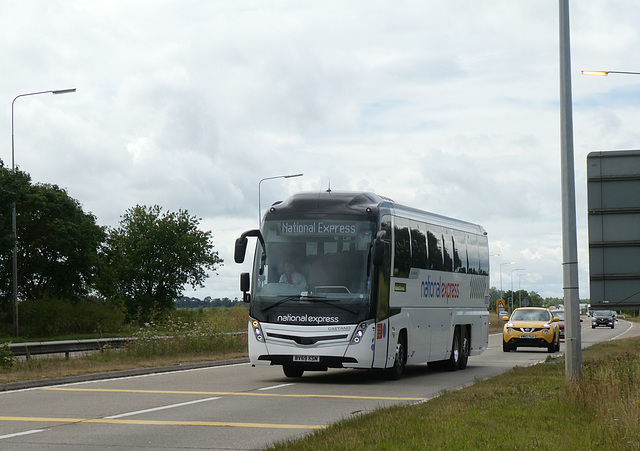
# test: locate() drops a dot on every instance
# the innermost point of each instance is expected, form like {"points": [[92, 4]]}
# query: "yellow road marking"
{"points": [[215, 393], [163, 423]]}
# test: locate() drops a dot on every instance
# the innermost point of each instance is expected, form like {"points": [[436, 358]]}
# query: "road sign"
{"points": [[613, 185]]}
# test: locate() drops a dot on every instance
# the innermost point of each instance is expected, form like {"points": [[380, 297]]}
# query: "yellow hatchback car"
{"points": [[531, 327]]}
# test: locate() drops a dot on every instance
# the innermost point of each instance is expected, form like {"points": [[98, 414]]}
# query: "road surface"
{"points": [[232, 407]]}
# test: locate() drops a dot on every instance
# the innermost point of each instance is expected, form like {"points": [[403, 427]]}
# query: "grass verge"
{"points": [[185, 336], [526, 408]]}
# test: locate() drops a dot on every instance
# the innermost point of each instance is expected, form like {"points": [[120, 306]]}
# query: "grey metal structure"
{"points": [[613, 182]]}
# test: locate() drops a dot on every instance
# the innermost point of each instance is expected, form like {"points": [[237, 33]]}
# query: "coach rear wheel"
{"points": [[465, 350], [456, 352]]}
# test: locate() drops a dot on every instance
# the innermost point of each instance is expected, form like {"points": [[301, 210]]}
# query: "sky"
{"points": [[447, 106]]}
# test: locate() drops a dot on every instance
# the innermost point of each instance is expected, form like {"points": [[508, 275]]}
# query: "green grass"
{"points": [[187, 335], [526, 408]]}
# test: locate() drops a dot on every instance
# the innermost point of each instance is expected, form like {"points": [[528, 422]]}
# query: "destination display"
{"points": [[325, 227]]}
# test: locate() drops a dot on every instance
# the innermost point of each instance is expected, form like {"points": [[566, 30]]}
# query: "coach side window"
{"points": [[459, 252], [434, 246], [448, 252], [483, 251], [418, 248], [472, 254], [402, 254]]}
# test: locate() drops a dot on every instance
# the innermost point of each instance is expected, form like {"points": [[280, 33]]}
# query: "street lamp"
{"points": [[604, 73], [519, 291], [512, 271], [13, 213], [501, 265], [570, 279], [271, 178]]}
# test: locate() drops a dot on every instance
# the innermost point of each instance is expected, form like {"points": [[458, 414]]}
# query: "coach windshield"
{"points": [[318, 266]]}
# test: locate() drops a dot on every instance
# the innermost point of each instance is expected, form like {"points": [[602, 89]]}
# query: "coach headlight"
{"points": [[257, 330], [359, 333]]}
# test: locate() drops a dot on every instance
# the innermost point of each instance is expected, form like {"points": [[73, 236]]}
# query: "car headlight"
{"points": [[545, 331]]}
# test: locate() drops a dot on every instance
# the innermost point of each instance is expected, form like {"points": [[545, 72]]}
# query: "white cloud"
{"points": [[447, 106]]}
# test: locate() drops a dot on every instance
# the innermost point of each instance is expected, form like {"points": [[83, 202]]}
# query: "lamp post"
{"points": [[604, 73], [570, 279], [14, 229], [512, 271], [519, 291], [501, 265], [271, 178]]}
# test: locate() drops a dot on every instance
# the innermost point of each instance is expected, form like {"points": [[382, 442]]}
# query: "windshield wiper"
{"points": [[323, 299], [282, 301]]}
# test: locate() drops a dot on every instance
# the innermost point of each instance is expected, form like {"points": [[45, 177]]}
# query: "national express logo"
{"points": [[307, 319], [437, 289]]}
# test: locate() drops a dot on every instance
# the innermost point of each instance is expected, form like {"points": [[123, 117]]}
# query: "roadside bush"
{"points": [[7, 359], [47, 318], [610, 391], [193, 331]]}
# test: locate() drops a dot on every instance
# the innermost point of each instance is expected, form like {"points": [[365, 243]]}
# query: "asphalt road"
{"points": [[231, 407]]}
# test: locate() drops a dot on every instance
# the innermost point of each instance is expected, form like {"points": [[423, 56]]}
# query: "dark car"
{"points": [[605, 318]]}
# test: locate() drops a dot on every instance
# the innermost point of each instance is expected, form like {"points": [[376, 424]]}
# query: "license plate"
{"points": [[306, 358], [527, 336]]}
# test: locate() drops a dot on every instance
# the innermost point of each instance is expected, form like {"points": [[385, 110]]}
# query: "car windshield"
{"points": [[530, 315], [602, 313], [559, 315]]}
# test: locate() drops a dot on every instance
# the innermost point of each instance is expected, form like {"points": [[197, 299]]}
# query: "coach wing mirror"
{"points": [[241, 245], [377, 249], [240, 249], [245, 283]]}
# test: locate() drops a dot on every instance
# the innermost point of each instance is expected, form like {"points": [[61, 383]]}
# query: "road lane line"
{"points": [[164, 423], [276, 386], [155, 409], [280, 395], [18, 434]]}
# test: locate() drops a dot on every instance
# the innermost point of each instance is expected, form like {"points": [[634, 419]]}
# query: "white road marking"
{"points": [[155, 409], [275, 386], [18, 434]]}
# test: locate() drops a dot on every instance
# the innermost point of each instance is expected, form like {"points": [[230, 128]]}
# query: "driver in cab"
{"points": [[293, 278]]}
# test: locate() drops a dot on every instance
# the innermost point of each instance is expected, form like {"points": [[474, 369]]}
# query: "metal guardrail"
{"points": [[65, 347]]}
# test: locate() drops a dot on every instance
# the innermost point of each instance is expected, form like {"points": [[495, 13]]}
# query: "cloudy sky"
{"points": [[448, 106]]}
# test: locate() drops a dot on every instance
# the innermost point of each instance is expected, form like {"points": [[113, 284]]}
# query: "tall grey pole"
{"points": [[271, 178], [14, 229], [573, 353]]}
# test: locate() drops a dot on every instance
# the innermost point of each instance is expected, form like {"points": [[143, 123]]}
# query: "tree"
{"points": [[57, 241], [152, 255], [7, 196]]}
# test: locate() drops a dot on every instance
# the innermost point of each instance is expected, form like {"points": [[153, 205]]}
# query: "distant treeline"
{"points": [[187, 302]]}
